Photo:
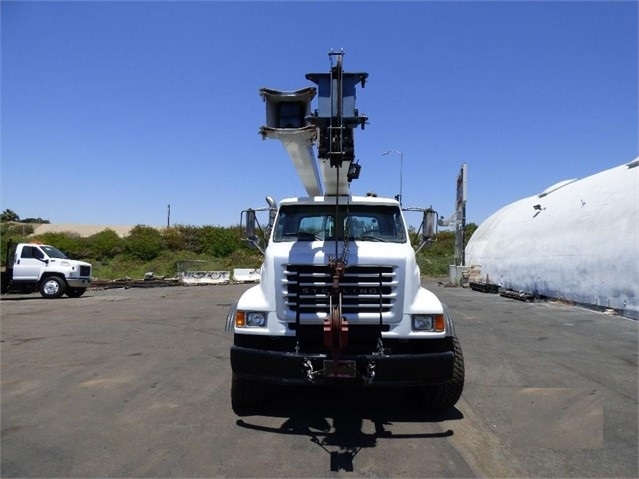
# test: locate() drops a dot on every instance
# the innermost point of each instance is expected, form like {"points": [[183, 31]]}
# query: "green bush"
{"points": [[144, 243], [435, 259], [105, 245]]}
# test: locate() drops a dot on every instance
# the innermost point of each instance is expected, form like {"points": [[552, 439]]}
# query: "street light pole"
{"points": [[401, 171]]}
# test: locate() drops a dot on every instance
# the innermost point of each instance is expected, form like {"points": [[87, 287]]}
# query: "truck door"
{"points": [[29, 261]]}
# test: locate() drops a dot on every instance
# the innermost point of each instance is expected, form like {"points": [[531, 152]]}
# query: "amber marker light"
{"points": [[440, 323], [240, 319]]}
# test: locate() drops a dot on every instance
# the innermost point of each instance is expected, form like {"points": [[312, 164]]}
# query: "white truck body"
{"points": [[340, 299], [398, 333]]}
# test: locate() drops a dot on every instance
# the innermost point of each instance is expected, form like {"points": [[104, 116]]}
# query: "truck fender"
{"points": [[230, 317], [450, 326]]}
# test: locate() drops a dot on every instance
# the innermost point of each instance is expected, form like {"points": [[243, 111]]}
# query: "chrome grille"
{"points": [[365, 289]]}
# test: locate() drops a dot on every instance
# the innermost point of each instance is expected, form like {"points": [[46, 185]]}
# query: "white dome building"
{"points": [[577, 241]]}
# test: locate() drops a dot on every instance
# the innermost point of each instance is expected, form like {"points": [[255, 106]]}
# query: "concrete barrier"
{"points": [[246, 275], [205, 277]]}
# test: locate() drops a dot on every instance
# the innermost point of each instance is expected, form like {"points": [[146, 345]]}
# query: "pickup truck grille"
{"points": [[85, 271], [365, 289]]}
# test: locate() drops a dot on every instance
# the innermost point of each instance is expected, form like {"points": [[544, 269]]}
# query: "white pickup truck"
{"points": [[32, 267]]}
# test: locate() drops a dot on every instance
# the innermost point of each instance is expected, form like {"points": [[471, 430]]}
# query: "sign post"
{"points": [[460, 216]]}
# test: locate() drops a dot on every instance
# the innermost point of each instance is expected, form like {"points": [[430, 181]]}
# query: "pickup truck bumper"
{"points": [[373, 369], [78, 282]]}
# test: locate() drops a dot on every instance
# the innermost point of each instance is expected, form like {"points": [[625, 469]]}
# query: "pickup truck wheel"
{"points": [[52, 287], [75, 292], [442, 396], [246, 393]]}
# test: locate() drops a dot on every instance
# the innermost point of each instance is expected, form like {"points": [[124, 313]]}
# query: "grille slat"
{"points": [[365, 289]]}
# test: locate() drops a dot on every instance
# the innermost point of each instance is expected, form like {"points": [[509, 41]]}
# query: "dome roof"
{"points": [[578, 240]]}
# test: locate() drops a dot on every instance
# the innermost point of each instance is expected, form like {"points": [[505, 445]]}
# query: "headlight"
{"points": [[429, 322], [250, 319]]}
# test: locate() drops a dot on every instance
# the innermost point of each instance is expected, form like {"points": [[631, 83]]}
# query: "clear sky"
{"points": [[113, 110]]}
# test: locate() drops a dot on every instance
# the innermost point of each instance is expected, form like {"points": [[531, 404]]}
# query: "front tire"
{"points": [[442, 396], [246, 393], [52, 287], [75, 292]]}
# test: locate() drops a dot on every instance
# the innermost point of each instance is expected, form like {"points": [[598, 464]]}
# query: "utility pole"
{"points": [[168, 217]]}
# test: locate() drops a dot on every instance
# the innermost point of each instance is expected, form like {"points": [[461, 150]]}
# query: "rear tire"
{"points": [[442, 396], [246, 393], [52, 287], [75, 292]]}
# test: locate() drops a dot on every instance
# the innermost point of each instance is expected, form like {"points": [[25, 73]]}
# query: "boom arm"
{"points": [[285, 113]]}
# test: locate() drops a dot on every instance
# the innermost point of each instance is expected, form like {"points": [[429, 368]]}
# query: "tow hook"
{"points": [[370, 372], [308, 370]]}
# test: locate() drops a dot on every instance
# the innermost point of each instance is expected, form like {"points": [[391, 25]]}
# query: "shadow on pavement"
{"points": [[334, 418]]}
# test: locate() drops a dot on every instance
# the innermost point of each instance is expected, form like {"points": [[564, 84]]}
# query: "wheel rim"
{"points": [[51, 287]]}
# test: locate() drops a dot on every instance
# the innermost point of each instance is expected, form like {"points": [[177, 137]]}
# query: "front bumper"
{"points": [[373, 369], [79, 282]]}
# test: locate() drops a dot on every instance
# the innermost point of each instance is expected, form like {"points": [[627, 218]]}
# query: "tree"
{"points": [[218, 241], [189, 238], [173, 239], [9, 215], [468, 232], [144, 243], [35, 220], [105, 245]]}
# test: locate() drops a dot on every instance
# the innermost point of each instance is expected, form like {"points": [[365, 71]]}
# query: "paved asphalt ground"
{"points": [[136, 383]]}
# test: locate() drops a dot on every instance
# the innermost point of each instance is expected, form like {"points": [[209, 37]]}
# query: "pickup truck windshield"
{"points": [[361, 223], [53, 253]]}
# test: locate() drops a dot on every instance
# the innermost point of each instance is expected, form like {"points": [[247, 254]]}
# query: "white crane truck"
{"points": [[32, 267], [340, 299]]}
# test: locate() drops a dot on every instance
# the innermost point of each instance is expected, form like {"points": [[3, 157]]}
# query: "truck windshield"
{"points": [[361, 222], [53, 253]]}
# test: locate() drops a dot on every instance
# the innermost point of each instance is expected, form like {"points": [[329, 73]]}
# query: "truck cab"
{"points": [[35, 267]]}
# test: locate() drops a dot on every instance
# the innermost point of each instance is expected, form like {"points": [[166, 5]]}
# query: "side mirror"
{"points": [[429, 224], [249, 228], [428, 228], [40, 256]]}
